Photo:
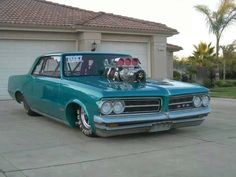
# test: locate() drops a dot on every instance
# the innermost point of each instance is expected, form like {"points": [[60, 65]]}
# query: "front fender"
{"points": [[90, 110]]}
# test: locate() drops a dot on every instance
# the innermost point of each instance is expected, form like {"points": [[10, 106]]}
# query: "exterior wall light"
{"points": [[94, 46]]}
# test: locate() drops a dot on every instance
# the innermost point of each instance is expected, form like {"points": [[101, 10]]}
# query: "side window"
{"points": [[38, 67], [48, 66]]}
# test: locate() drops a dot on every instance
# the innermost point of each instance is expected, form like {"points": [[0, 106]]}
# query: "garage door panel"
{"points": [[17, 56], [136, 49]]}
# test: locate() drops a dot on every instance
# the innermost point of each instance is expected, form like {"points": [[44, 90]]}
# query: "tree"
{"points": [[204, 57], [203, 54], [220, 19], [183, 66], [228, 53]]}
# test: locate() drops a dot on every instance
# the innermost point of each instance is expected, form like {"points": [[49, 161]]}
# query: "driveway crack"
{"points": [[208, 141], [3, 172], [104, 158]]}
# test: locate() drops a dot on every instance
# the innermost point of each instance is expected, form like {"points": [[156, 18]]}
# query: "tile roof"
{"points": [[173, 48], [45, 13]]}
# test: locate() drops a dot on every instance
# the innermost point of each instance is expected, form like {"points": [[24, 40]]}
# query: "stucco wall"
{"points": [[7, 34], [158, 57], [169, 57], [159, 60]]}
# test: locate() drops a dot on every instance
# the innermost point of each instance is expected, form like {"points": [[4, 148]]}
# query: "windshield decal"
{"points": [[74, 59]]}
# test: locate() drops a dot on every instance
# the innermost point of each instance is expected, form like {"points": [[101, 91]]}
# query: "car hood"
{"points": [[106, 88]]}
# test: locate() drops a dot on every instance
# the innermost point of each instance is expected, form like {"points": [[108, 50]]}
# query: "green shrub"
{"points": [[177, 75], [219, 83], [207, 83], [228, 84], [234, 83]]}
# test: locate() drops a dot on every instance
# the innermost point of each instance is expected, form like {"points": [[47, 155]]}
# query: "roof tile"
{"points": [[174, 48], [45, 13]]}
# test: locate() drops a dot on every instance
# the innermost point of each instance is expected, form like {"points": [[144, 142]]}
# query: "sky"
{"points": [[178, 14]]}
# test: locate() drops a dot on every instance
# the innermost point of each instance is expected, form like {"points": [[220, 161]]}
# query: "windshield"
{"points": [[87, 64]]}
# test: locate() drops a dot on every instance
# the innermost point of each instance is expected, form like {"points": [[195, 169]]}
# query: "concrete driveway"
{"points": [[40, 147]]}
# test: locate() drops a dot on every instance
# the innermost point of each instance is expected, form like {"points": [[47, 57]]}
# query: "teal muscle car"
{"points": [[107, 94]]}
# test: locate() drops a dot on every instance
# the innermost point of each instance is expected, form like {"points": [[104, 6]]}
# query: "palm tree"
{"points": [[203, 54], [220, 19], [228, 53], [204, 57]]}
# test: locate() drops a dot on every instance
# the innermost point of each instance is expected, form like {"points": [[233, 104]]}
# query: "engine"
{"points": [[125, 69]]}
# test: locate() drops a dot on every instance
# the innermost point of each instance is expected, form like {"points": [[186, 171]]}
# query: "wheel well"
{"points": [[19, 96], [71, 113]]}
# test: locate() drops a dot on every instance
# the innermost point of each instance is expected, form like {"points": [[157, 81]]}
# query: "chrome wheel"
{"points": [[83, 122], [84, 119]]}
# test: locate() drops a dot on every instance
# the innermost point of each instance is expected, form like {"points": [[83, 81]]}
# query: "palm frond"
{"points": [[225, 6], [207, 12], [230, 18], [220, 19]]}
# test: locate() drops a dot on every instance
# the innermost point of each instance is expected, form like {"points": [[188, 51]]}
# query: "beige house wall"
{"points": [[86, 39], [158, 57], [160, 62], [40, 36], [125, 38], [30, 35], [169, 57]]}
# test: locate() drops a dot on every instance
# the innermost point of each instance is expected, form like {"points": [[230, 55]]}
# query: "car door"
{"points": [[46, 85]]}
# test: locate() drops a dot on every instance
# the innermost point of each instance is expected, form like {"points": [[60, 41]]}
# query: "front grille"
{"points": [[142, 105], [181, 102]]}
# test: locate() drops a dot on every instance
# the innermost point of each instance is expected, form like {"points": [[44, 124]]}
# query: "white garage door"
{"points": [[136, 49], [17, 56]]}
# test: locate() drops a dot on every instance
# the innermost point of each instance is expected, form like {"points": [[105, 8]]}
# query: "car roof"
{"points": [[84, 53]]}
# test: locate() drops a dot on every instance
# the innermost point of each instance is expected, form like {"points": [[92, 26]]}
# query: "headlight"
{"points": [[197, 101], [205, 100], [118, 107], [106, 107]]}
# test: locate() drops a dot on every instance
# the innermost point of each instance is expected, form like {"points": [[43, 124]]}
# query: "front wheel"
{"points": [[83, 122]]}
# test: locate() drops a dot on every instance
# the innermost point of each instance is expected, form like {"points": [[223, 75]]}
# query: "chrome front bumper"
{"points": [[153, 122]]}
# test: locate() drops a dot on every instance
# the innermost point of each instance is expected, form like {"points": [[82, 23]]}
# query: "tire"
{"points": [[83, 123], [28, 109]]}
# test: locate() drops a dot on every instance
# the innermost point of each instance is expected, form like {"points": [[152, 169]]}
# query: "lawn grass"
{"points": [[223, 92]]}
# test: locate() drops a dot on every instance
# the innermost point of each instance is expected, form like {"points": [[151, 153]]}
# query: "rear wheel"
{"points": [[83, 122], [28, 109]]}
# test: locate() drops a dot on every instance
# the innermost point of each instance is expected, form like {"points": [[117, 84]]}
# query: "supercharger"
{"points": [[125, 69]]}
